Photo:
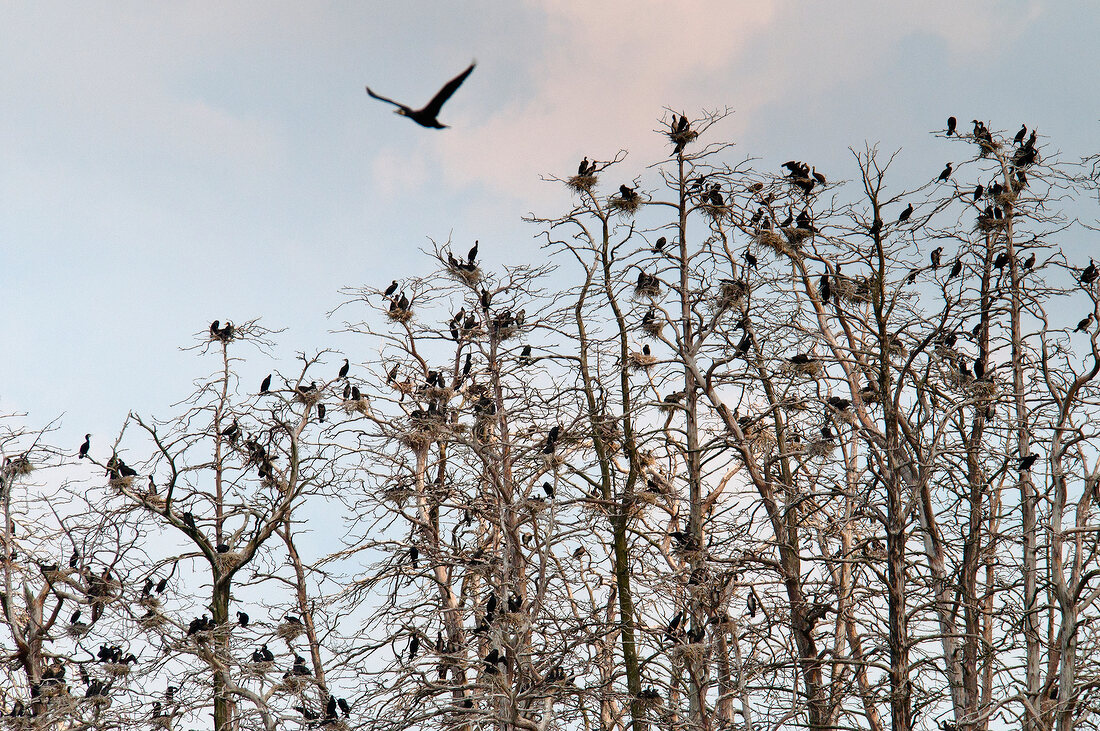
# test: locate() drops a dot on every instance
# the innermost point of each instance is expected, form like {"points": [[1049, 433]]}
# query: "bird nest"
{"points": [[418, 439], [732, 294], [988, 146], [149, 601], [715, 212], [640, 361], [164, 722], [121, 483], [773, 241], [154, 501], [504, 331], [654, 326], [552, 460], [535, 505], [690, 652], [258, 669], [856, 290], [397, 495], [986, 223], [650, 288], [399, 315], [77, 629], [650, 699], [811, 368], [796, 236], [289, 630], [515, 620], [626, 206], [228, 560], [983, 388], [1006, 197], [151, 620], [360, 405], [117, 669], [293, 683], [581, 183], [469, 274], [309, 398], [99, 701], [821, 447], [19, 466], [435, 393]]}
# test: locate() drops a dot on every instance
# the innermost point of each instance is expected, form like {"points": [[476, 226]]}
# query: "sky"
{"points": [[163, 165]]}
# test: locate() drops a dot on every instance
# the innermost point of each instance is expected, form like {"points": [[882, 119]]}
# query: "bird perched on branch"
{"points": [[426, 115]]}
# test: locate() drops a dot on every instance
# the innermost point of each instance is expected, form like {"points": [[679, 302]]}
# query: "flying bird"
{"points": [[426, 116]]}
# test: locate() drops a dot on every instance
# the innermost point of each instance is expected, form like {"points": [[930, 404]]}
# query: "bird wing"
{"points": [[445, 93], [381, 98]]}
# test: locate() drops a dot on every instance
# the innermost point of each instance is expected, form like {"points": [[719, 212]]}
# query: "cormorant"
{"points": [[906, 214], [978, 191], [85, 446], [660, 244], [951, 122], [946, 172], [1088, 276], [266, 384], [1085, 325], [426, 116], [344, 369], [391, 289], [956, 270], [1020, 135], [750, 259], [321, 413], [1029, 263], [242, 619], [935, 257], [1026, 462], [473, 253], [189, 520]]}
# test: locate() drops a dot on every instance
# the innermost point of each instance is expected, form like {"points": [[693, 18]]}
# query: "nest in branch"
{"points": [[228, 560], [468, 274], [715, 212], [811, 367], [654, 326], [150, 620], [772, 240], [582, 183], [650, 699], [435, 393], [18, 466], [258, 669], [690, 652], [400, 315], [1006, 197], [683, 137], [982, 388], [308, 397], [360, 405], [292, 683], [552, 460], [117, 669], [988, 223], [121, 483], [77, 629], [148, 601], [290, 630], [796, 235], [626, 206], [821, 447], [58, 575], [397, 495], [731, 293], [856, 290], [154, 501], [648, 287], [639, 361], [163, 722], [988, 146]]}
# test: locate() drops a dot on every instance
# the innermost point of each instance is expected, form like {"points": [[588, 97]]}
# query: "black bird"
{"points": [[344, 369], [414, 555], [548, 489], [162, 585], [1026, 462], [426, 116], [951, 122], [935, 257], [85, 446], [582, 169], [906, 214], [299, 667], [956, 270], [344, 707], [1020, 135], [750, 259], [391, 289], [978, 191], [525, 355], [826, 291], [1085, 325], [189, 520], [660, 244], [321, 413], [330, 707], [414, 646], [946, 172], [242, 619], [473, 253], [979, 368], [1088, 276], [266, 384], [1030, 263]]}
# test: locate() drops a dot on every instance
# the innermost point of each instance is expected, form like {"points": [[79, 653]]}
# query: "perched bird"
{"points": [[1086, 324], [189, 520], [344, 369], [946, 173], [85, 446], [956, 270], [1029, 264], [935, 257], [951, 123], [321, 413], [266, 384], [426, 116], [1020, 135], [906, 214], [1026, 462], [660, 244], [473, 253], [344, 707], [548, 489], [242, 619], [1089, 274], [390, 289], [978, 192], [750, 259]]}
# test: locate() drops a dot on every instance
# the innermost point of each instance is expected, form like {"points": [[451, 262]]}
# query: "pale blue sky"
{"points": [[166, 164]]}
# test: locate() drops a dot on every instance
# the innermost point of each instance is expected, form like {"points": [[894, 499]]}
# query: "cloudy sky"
{"points": [[166, 164]]}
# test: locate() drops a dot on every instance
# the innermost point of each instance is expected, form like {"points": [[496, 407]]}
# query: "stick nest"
{"points": [[639, 361], [626, 206], [582, 183]]}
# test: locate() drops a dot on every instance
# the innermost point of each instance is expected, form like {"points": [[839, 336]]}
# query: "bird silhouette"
{"points": [[85, 446], [946, 173], [906, 214], [951, 122], [426, 116], [266, 384], [344, 369]]}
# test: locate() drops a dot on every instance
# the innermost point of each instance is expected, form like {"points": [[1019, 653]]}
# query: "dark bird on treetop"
{"points": [[660, 244], [1088, 276], [946, 172], [85, 446], [1026, 462], [951, 122], [242, 619], [906, 214], [1020, 135], [935, 257], [978, 191], [1085, 324], [473, 253], [426, 116], [956, 270], [391, 289], [345, 368], [1029, 263]]}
